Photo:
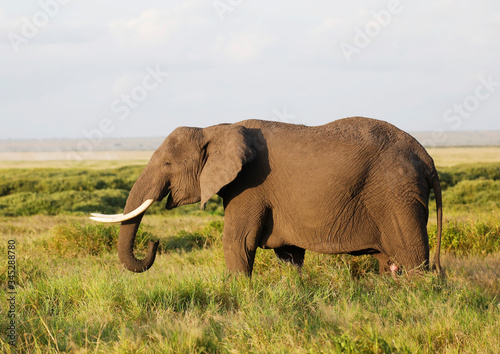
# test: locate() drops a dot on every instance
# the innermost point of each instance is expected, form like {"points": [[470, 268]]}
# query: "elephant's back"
{"points": [[353, 130], [368, 131], [391, 142], [352, 136]]}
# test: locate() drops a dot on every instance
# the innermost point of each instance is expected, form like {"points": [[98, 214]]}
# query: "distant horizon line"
{"points": [[454, 138], [411, 132]]}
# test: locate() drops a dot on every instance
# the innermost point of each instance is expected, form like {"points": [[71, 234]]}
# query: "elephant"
{"points": [[353, 186]]}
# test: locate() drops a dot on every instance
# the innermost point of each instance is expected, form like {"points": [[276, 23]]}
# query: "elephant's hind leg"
{"points": [[405, 240], [291, 254], [385, 264]]}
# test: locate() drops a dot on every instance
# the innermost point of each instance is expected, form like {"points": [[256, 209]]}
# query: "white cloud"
{"points": [[247, 45], [157, 26], [264, 55]]}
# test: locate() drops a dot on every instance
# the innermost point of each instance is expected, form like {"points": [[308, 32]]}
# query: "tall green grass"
{"points": [[187, 303], [73, 295]]}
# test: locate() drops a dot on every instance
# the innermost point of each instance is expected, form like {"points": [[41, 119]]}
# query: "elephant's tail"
{"points": [[439, 208]]}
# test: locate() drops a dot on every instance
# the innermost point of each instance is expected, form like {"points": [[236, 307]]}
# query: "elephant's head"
{"points": [[191, 165]]}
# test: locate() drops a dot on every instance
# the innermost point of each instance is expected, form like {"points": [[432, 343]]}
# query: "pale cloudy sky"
{"points": [[71, 68]]}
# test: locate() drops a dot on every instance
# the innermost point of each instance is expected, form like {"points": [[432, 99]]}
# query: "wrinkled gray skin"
{"points": [[356, 186]]}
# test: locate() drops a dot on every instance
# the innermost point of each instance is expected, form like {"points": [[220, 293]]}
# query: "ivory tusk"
{"points": [[122, 217], [106, 215]]}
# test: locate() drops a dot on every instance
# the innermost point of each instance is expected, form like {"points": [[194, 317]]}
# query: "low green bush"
{"points": [[65, 202], [53, 180], [54, 191], [451, 176], [468, 237], [473, 194], [74, 239]]}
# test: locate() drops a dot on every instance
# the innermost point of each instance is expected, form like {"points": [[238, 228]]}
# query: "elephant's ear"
{"points": [[227, 149]]}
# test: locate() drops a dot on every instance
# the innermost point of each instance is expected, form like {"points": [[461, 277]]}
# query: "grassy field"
{"points": [[451, 156], [72, 295]]}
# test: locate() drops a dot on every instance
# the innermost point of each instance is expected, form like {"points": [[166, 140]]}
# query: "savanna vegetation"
{"points": [[72, 295]]}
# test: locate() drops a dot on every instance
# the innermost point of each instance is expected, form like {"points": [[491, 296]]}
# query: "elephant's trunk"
{"points": [[128, 228], [126, 239]]}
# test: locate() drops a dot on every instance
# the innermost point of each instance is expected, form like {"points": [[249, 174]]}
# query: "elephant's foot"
{"points": [[393, 268], [386, 265]]}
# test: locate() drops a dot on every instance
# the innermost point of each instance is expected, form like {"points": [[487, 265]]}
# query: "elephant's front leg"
{"points": [[239, 258], [242, 233]]}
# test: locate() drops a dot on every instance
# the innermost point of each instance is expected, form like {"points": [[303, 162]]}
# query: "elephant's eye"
{"points": [[166, 163]]}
